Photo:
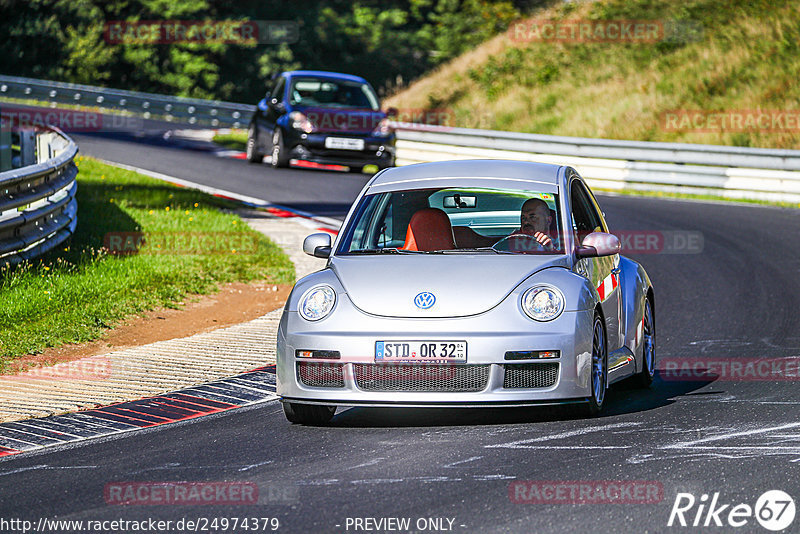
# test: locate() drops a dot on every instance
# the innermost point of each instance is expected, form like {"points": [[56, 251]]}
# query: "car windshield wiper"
{"points": [[388, 250], [471, 250]]}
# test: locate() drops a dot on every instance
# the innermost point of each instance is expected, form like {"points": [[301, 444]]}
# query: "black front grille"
{"points": [[321, 375], [530, 375], [421, 377]]}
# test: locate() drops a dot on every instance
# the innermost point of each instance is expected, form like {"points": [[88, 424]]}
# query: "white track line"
{"points": [[684, 444], [523, 444]]}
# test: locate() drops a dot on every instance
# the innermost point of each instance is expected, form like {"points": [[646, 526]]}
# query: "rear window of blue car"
{"points": [[454, 220]]}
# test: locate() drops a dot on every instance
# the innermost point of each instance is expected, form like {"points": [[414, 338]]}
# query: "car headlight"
{"points": [[543, 303], [301, 122], [317, 303], [383, 129]]}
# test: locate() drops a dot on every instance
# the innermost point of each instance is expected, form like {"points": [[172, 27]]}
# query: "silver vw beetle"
{"points": [[466, 284]]}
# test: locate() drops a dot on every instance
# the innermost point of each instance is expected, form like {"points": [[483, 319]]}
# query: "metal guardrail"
{"points": [[38, 208], [195, 111], [733, 172]]}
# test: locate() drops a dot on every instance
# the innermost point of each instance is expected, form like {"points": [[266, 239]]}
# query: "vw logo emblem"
{"points": [[425, 300]]}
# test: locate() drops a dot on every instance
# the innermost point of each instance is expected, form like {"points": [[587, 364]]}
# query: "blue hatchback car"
{"points": [[318, 119]]}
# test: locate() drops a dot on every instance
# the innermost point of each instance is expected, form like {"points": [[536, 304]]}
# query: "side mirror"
{"points": [[277, 106], [598, 244], [262, 104], [391, 112], [318, 245]]}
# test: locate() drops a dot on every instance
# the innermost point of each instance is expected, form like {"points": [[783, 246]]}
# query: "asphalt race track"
{"points": [[322, 193], [738, 297]]}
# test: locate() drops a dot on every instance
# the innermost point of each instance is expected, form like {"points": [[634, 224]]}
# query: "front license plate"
{"points": [[344, 143], [421, 351]]}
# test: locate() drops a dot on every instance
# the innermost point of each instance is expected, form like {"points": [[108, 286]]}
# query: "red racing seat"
{"points": [[429, 229]]}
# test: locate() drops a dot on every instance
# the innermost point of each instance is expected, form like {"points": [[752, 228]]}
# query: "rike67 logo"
{"points": [[774, 510]]}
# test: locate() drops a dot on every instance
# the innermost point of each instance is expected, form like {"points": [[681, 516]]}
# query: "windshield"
{"points": [[330, 93], [454, 221]]}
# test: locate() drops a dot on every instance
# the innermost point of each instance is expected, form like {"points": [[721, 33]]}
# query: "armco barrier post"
{"points": [[27, 147], [5, 144], [44, 150], [5, 149]]}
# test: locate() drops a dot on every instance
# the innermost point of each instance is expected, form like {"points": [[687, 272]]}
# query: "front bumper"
{"points": [[439, 404], [489, 336], [378, 151]]}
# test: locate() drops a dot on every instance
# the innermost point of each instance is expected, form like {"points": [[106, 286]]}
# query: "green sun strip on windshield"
{"points": [[549, 198]]}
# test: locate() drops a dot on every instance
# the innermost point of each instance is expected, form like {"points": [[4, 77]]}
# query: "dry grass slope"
{"points": [[745, 58]]}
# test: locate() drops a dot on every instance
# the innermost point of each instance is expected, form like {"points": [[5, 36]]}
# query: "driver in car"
{"points": [[535, 220]]}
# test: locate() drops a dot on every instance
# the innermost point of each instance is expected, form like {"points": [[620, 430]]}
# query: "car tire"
{"points": [[598, 380], [252, 153], [279, 156], [645, 377], [308, 414]]}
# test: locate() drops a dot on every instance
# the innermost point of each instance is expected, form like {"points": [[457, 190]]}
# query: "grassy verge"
{"points": [[74, 294], [235, 140]]}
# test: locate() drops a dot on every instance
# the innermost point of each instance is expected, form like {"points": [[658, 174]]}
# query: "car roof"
{"points": [[539, 174], [325, 74]]}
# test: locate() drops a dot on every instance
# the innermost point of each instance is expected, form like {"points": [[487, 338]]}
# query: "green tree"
{"points": [[386, 41]]}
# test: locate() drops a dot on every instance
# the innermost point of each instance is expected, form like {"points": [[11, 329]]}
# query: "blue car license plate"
{"points": [[344, 143], [421, 351]]}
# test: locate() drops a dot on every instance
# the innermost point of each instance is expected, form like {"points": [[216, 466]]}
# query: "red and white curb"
{"points": [[257, 386], [301, 163], [607, 286], [231, 154]]}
